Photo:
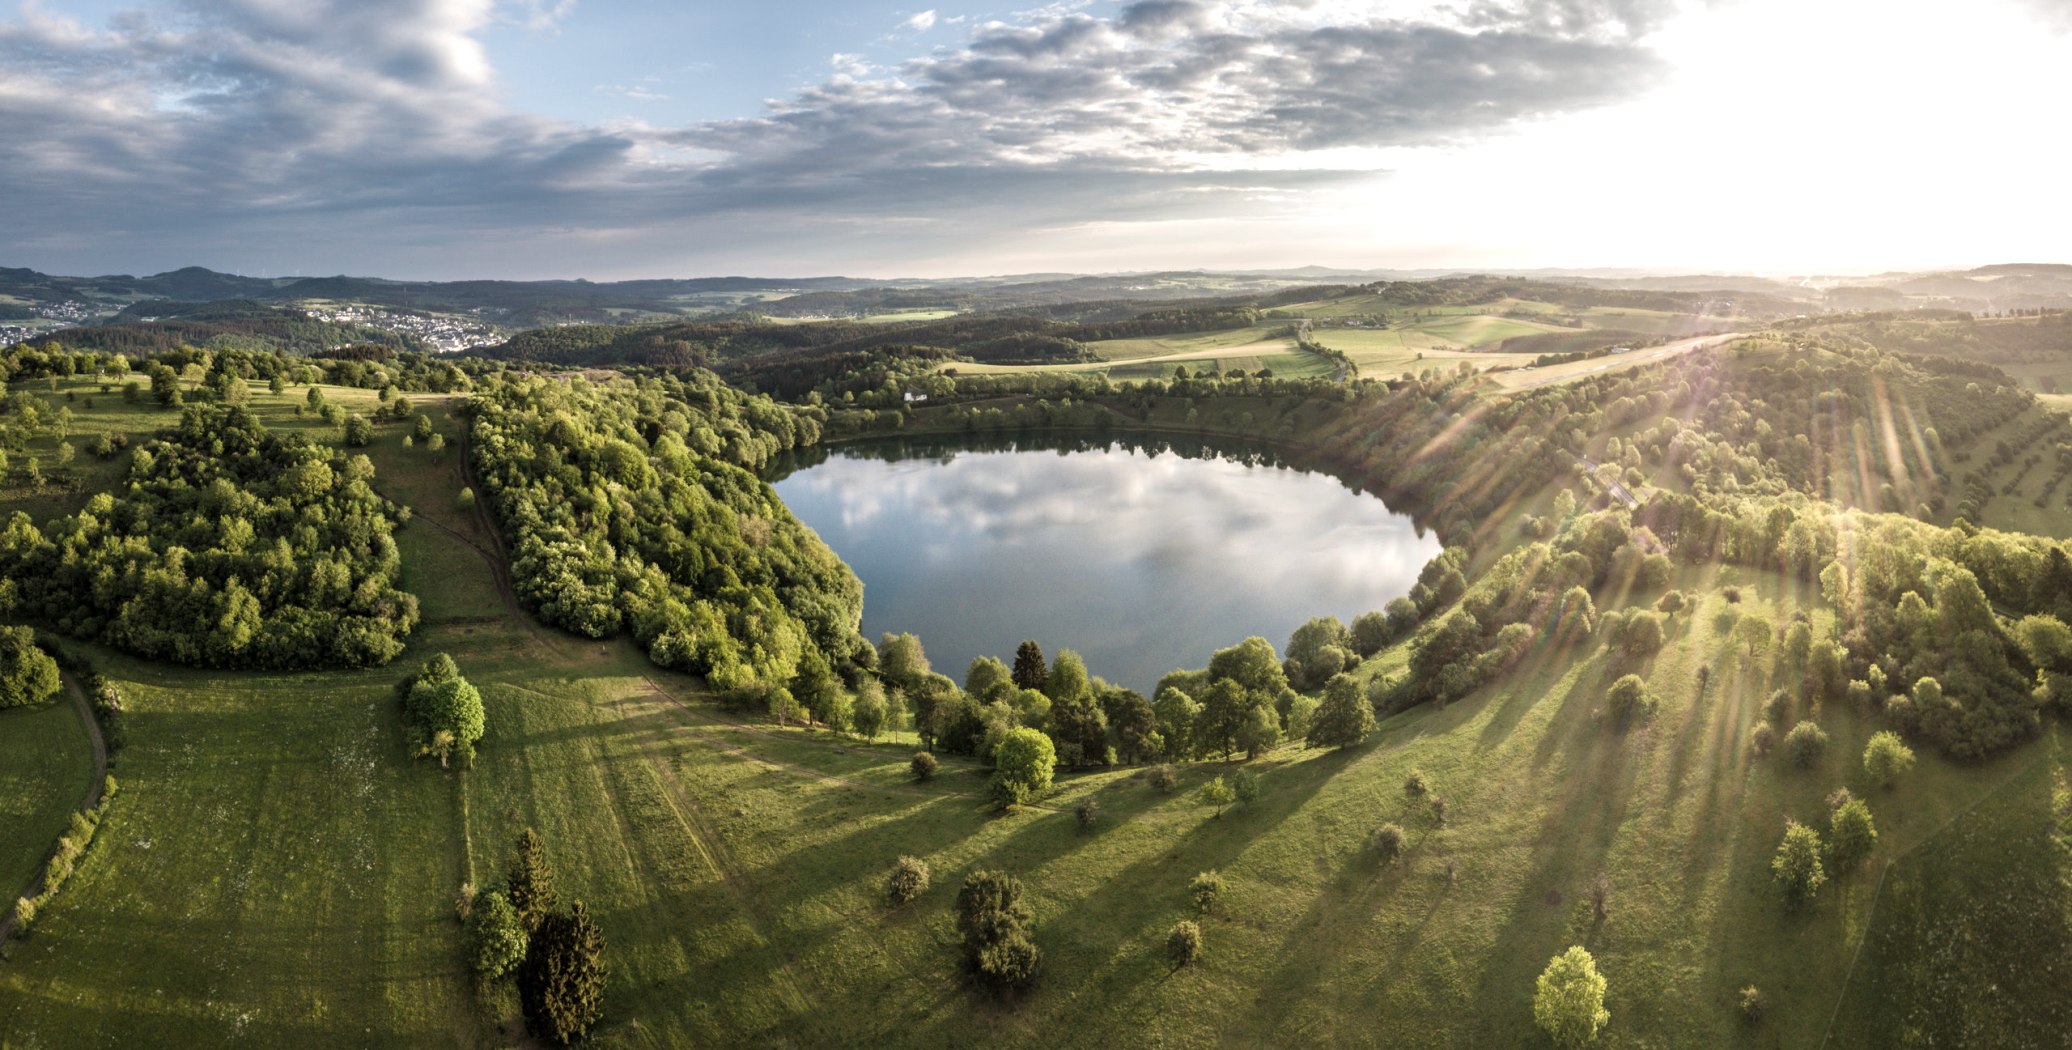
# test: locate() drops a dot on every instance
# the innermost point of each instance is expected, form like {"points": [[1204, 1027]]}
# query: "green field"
{"points": [[46, 762], [279, 870]]}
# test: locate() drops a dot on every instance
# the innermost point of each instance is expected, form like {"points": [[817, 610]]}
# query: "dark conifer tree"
{"points": [[1030, 672]]}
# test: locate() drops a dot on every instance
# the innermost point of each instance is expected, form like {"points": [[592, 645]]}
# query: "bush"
{"points": [[1206, 889], [1390, 842], [1415, 785], [924, 766], [1183, 945], [1887, 758], [994, 923], [1089, 812], [1672, 603], [1732, 594], [907, 879], [1163, 778], [1762, 739], [1630, 701], [1752, 1004], [1805, 744], [1568, 1000]]}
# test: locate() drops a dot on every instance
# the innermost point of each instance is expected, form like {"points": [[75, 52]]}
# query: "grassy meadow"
{"points": [[280, 871], [46, 762]]}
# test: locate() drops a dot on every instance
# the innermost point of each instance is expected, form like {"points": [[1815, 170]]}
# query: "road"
{"points": [[1528, 379]]}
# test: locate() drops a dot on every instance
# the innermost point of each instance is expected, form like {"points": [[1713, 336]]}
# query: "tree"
{"points": [[902, 662], [1851, 834], [1022, 767], [449, 717], [27, 674], [1370, 632], [561, 982], [869, 712], [907, 879], [1568, 1002], [1316, 651], [1887, 758], [1643, 635], [496, 938], [1260, 733], [1205, 889], [358, 432], [988, 679], [1629, 700], [422, 429], [994, 923], [1754, 632], [1067, 680], [165, 385], [1344, 718], [1218, 793], [1176, 713], [1796, 867], [1030, 672], [530, 882], [1183, 945], [1135, 724], [1252, 665], [1805, 744]]}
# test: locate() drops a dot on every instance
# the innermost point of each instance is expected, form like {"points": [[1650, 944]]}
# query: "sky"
{"points": [[614, 139]]}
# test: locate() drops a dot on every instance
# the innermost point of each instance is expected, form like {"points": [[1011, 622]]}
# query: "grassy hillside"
{"points": [[45, 764], [280, 870]]}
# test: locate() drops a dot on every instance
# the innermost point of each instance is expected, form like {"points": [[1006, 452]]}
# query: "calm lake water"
{"points": [[1143, 555]]}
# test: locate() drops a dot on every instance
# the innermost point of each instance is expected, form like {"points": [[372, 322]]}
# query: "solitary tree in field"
{"points": [[1183, 945], [1569, 1000], [994, 922], [1887, 758]]}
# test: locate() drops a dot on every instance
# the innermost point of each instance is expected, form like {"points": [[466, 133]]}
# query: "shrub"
{"points": [[1629, 700], [1752, 1004], [1671, 603], [1183, 945], [1217, 793], [1415, 785], [1901, 712], [1390, 842], [1796, 866], [1805, 744], [1731, 593], [924, 766], [994, 921], [907, 879], [1163, 778], [1089, 812], [1762, 739], [1568, 1001], [1206, 889], [24, 915], [1851, 834], [1887, 758]]}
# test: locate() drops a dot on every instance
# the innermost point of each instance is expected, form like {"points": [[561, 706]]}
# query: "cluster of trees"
{"points": [[557, 955], [442, 710], [230, 546], [630, 505], [998, 948]]}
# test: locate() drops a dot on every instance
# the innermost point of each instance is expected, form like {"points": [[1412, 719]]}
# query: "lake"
{"points": [[1142, 554]]}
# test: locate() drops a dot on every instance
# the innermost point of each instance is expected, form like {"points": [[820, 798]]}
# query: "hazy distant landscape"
{"points": [[1172, 523]]}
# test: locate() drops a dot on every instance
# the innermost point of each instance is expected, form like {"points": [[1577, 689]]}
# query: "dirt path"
{"points": [[93, 788]]}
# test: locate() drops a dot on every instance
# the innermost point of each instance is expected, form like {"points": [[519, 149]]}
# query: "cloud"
{"points": [[378, 124], [922, 22]]}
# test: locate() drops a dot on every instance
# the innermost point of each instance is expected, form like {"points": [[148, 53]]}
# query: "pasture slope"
{"points": [[279, 871]]}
